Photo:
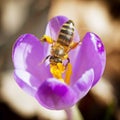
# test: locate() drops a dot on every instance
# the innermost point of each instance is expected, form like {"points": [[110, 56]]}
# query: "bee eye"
{"points": [[55, 59], [51, 58]]}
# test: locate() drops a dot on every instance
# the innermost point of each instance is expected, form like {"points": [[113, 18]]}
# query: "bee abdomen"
{"points": [[66, 33]]}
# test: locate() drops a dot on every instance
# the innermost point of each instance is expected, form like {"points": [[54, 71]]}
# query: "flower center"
{"points": [[58, 70]]}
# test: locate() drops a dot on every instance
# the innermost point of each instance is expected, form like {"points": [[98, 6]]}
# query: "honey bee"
{"points": [[64, 43]]}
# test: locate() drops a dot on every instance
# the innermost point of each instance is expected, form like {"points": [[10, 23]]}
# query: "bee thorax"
{"points": [[58, 51]]}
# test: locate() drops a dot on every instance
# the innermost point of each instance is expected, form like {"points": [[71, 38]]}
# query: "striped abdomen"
{"points": [[66, 33]]}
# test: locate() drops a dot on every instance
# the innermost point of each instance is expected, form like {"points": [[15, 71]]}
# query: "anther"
{"points": [[68, 73], [57, 71]]}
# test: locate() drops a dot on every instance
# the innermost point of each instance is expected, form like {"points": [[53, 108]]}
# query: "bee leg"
{"points": [[74, 45], [44, 59], [68, 61], [48, 39]]}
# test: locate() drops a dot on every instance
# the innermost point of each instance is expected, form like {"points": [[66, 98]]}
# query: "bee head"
{"points": [[55, 60]]}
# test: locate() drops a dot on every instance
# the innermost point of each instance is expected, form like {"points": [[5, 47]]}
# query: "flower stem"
{"points": [[73, 113]]}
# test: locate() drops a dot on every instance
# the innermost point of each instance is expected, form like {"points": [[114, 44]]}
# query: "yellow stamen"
{"points": [[59, 69], [68, 73], [46, 38]]}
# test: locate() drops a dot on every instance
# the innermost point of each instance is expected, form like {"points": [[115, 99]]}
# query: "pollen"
{"points": [[58, 70], [46, 38]]}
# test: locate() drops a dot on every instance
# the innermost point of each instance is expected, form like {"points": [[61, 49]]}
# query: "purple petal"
{"points": [[91, 54], [26, 81], [54, 26], [84, 84], [27, 55], [54, 94]]}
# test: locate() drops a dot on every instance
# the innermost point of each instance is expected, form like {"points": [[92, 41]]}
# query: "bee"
{"points": [[64, 43]]}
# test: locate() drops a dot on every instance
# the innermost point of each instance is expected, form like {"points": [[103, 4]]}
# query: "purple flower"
{"points": [[88, 63]]}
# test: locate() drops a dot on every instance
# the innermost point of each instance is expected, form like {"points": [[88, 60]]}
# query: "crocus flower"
{"points": [[87, 60]]}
